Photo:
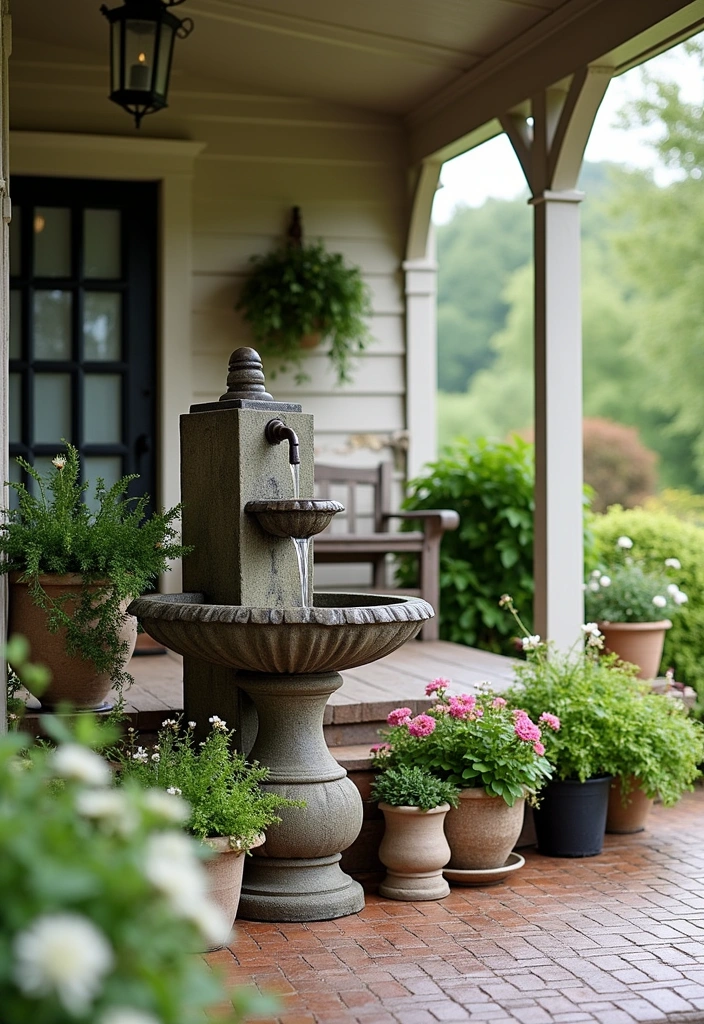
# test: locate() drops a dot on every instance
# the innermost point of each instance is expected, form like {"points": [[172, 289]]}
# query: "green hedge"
{"points": [[657, 536]]}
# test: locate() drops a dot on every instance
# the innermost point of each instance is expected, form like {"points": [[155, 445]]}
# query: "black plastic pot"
{"points": [[571, 819]]}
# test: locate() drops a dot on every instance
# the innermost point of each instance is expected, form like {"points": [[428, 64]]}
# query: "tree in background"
{"points": [[619, 469]]}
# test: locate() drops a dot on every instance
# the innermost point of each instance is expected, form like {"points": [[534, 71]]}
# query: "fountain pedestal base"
{"points": [[295, 875]]}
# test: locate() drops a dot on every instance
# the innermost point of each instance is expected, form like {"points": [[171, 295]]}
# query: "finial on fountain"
{"points": [[245, 377]]}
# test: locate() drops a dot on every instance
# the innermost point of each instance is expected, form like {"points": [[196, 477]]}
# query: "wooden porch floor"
{"points": [[400, 678]]}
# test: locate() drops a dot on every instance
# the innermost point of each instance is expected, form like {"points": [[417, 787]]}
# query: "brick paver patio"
{"points": [[613, 939]]}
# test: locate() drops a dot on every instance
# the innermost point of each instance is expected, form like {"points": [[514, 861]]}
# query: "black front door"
{"points": [[82, 326]]}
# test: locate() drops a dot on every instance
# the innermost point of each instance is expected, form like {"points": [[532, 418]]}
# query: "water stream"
{"points": [[302, 546], [296, 474]]}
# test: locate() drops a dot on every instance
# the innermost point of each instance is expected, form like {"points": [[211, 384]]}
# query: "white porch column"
{"points": [[550, 151]]}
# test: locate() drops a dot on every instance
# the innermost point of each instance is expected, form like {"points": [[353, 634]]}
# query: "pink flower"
{"points": [[401, 716], [421, 725], [498, 702], [380, 748], [550, 720], [525, 729], [539, 748], [436, 686]]}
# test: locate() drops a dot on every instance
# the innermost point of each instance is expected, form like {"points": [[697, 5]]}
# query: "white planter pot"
{"points": [[224, 871], [414, 851]]}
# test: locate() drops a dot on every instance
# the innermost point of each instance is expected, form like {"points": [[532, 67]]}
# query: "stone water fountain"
{"points": [[260, 649]]}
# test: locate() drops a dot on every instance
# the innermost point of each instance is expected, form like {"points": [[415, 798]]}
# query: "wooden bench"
{"points": [[374, 545]]}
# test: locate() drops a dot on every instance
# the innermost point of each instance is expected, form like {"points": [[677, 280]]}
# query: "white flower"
{"points": [[624, 542], [591, 627], [605, 581], [172, 868], [596, 573], [659, 601], [141, 755], [680, 598], [672, 589], [217, 723], [595, 640], [71, 761], [191, 725], [59, 461], [167, 805], [63, 955], [594, 585], [673, 563], [530, 643], [109, 806], [156, 757], [169, 723], [126, 1015]]}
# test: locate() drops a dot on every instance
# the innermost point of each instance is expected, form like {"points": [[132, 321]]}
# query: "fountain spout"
{"points": [[276, 431]]}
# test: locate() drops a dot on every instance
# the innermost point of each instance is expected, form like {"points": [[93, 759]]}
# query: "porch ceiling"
{"points": [[446, 66]]}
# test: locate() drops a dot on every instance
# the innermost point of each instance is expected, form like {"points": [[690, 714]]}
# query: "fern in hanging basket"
{"points": [[296, 291]]}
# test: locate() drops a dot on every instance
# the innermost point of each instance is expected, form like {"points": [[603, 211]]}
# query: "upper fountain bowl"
{"points": [[294, 517], [340, 631]]}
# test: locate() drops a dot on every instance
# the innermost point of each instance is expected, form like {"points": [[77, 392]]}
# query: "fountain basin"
{"points": [[294, 517], [340, 631]]}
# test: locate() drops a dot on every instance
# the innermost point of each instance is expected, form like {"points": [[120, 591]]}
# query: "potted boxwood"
{"points": [[73, 572], [298, 293], [226, 807], [632, 604], [492, 752], [414, 848]]}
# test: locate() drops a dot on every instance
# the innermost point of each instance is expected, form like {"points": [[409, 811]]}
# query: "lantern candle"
{"points": [[140, 74]]}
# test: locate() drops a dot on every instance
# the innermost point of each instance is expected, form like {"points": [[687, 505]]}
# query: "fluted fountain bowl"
{"points": [[294, 517], [340, 631]]}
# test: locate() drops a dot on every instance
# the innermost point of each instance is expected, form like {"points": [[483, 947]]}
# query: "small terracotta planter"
{"points": [[482, 830], [414, 851], [311, 340], [74, 680], [224, 872], [640, 643], [631, 815]]}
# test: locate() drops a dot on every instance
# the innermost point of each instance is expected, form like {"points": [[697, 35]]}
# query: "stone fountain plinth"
{"points": [[260, 650]]}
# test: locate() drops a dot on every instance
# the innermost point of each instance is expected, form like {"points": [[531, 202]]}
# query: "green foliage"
{"points": [[678, 502], [490, 485], [624, 589], [35, 677], [115, 548], [660, 746], [294, 291], [102, 898], [223, 791], [659, 536], [470, 743], [411, 786], [617, 466]]}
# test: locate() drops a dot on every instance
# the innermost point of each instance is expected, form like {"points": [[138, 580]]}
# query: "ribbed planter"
{"points": [[571, 818], [414, 851], [631, 815], [224, 872], [74, 680], [640, 643], [482, 830]]}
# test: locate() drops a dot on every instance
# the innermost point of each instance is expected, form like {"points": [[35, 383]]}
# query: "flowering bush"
{"points": [[471, 742], [223, 791], [625, 591]]}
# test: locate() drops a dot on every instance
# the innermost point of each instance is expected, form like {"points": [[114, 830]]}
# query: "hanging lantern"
{"points": [[142, 34]]}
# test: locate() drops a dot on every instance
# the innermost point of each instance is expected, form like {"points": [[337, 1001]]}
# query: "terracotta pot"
{"points": [[414, 851], [624, 817], [641, 643], [224, 872], [482, 830], [74, 680], [311, 340]]}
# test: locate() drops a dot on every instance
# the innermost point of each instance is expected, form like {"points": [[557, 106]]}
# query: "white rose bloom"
{"points": [[126, 1015], [167, 805], [71, 761], [673, 563], [63, 955], [624, 542], [659, 601], [680, 598], [172, 868], [605, 581]]}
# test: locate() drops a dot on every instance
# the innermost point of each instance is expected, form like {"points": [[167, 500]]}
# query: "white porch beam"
{"points": [[551, 153]]}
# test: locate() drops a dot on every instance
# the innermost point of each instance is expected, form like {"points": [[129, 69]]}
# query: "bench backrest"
{"points": [[354, 481]]}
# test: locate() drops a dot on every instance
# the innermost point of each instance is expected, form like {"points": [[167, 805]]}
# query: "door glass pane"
{"points": [[15, 325], [15, 407], [52, 408], [109, 467], [43, 466], [102, 408], [102, 325], [16, 241], [14, 474], [101, 244], [52, 324], [52, 241]]}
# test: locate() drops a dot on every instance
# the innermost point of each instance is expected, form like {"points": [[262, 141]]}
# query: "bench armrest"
{"points": [[438, 519]]}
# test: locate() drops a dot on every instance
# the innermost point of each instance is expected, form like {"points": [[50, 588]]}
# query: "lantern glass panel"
{"points": [[140, 40], [116, 69], [163, 62]]}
